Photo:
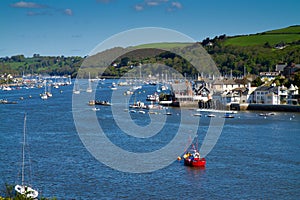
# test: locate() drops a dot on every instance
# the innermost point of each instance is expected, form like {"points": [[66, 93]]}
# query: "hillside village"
{"points": [[269, 92], [243, 90], [227, 89], [250, 72]]}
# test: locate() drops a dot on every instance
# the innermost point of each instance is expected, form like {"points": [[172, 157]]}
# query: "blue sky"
{"points": [[66, 27]]}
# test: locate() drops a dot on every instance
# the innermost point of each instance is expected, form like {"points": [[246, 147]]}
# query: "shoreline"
{"points": [[248, 107], [264, 107]]}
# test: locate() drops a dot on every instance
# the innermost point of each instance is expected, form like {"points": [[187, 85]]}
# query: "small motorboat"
{"points": [[95, 109], [44, 96], [227, 115], [153, 97], [5, 101], [103, 103], [142, 112], [91, 103], [211, 115], [138, 105], [168, 113], [198, 114]]}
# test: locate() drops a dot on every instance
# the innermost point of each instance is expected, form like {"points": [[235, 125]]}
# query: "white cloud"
{"points": [[169, 5], [40, 9], [68, 11], [23, 4], [139, 7], [176, 5], [152, 3], [155, 2], [31, 13]]}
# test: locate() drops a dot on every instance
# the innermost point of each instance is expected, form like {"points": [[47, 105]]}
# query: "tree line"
{"points": [[228, 58]]}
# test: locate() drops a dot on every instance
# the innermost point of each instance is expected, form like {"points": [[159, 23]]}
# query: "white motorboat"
{"points": [[217, 111], [6, 88], [211, 115], [95, 109]]}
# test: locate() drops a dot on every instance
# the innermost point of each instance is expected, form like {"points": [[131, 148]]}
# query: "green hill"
{"points": [[251, 53], [285, 35], [163, 45], [288, 30]]}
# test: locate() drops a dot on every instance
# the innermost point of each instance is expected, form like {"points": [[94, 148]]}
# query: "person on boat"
{"points": [[187, 155], [196, 156]]}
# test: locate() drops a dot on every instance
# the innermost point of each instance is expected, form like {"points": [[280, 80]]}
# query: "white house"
{"points": [[274, 95], [226, 85], [293, 95]]}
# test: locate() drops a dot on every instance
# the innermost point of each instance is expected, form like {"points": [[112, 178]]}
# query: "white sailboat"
{"points": [[48, 92], [89, 89], [76, 88], [44, 95], [24, 189]]}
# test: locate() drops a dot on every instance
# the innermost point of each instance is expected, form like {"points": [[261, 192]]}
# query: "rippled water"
{"points": [[254, 158]]}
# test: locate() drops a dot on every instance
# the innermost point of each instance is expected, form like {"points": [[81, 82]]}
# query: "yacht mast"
{"points": [[23, 149]]}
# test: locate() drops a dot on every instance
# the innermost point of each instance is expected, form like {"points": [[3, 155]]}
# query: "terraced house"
{"points": [[275, 95]]}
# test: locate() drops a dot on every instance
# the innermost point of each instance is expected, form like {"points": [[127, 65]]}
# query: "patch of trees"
{"points": [[251, 59], [52, 65], [229, 59]]}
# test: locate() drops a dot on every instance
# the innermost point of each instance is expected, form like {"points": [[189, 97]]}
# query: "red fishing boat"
{"points": [[192, 156], [194, 159]]}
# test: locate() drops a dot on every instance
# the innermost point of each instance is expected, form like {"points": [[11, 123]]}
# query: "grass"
{"points": [[261, 39], [163, 45], [286, 35], [288, 30]]}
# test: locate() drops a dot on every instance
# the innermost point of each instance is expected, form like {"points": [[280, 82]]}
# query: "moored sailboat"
{"points": [[76, 89], [44, 95], [24, 189], [89, 89]]}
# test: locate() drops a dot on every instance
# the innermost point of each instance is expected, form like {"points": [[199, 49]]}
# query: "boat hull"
{"points": [[195, 163], [102, 103], [26, 190]]}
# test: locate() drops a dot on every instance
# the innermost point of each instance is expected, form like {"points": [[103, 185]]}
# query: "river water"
{"points": [[254, 158]]}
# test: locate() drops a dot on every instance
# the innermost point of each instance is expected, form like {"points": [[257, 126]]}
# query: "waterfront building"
{"points": [[226, 85], [274, 95], [293, 97]]}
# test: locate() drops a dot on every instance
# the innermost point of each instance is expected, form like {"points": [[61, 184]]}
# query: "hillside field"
{"points": [[285, 35]]}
